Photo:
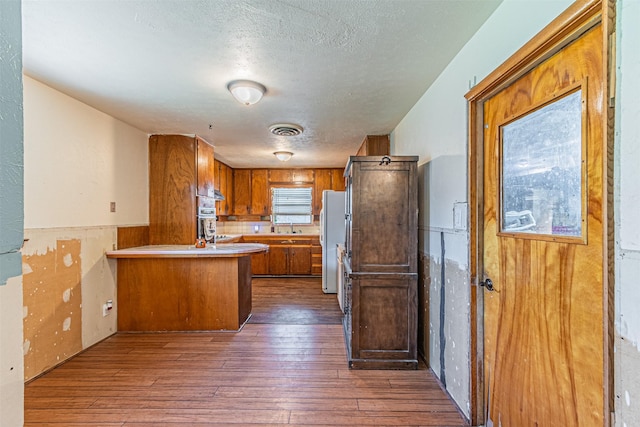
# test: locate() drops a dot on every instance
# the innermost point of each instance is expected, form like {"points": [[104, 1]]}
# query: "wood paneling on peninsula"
{"points": [[183, 294]]}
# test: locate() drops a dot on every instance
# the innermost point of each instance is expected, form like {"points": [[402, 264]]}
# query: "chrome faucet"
{"points": [[291, 224]]}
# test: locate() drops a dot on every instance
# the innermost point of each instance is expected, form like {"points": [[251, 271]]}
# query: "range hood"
{"points": [[217, 195]]}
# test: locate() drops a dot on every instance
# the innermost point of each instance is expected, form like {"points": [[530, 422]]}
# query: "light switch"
{"points": [[460, 216]]}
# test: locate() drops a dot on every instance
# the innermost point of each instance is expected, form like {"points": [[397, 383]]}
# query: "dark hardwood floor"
{"points": [[286, 367]]}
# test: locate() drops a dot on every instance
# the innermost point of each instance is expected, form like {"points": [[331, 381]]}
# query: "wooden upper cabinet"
{"points": [[228, 191], [375, 145], [242, 191], [302, 175], [322, 182], [224, 184], [337, 180], [216, 175], [290, 176], [280, 175], [259, 192], [206, 167]]}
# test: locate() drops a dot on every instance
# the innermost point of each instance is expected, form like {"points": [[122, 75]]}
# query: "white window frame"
{"points": [[292, 205]]}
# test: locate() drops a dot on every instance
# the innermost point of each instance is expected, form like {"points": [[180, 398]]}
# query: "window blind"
{"points": [[291, 205]]}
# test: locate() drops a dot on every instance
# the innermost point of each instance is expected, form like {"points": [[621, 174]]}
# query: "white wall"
{"points": [[627, 206], [436, 130], [76, 161]]}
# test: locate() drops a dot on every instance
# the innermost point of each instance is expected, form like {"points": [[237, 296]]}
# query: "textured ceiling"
{"points": [[341, 69]]}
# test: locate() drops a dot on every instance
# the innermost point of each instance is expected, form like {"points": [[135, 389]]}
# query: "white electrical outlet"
{"points": [[107, 307]]}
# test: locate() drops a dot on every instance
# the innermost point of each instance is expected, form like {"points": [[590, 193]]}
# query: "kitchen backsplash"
{"points": [[262, 227]]}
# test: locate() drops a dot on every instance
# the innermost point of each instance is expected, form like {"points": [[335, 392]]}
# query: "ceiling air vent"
{"points": [[285, 129]]}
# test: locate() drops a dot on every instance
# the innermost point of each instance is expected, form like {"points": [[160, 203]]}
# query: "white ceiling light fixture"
{"points": [[246, 92], [283, 156]]}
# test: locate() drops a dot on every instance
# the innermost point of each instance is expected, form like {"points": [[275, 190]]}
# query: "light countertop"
{"points": [[219, 250]]}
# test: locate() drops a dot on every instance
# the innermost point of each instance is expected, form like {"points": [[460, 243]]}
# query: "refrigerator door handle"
{"points": [[321, 227]]}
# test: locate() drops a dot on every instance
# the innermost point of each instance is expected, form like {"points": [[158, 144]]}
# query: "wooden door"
{"points": [[545, 319]]}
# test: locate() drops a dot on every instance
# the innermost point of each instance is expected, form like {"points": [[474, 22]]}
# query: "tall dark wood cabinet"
{"points": [[381, 262], [181, 167]]}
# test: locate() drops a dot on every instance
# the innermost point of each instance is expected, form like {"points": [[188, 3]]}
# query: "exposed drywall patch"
{"points": [[52, 300], [627, 362], [448, 308]]}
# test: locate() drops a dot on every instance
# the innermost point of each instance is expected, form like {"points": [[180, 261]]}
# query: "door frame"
{"points": [[567, 27]]}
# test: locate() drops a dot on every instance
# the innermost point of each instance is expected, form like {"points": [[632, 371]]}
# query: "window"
{"points": [[542, 170], [291, 205]]}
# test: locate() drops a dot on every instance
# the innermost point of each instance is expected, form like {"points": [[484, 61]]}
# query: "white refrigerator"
{"points": [[332, 232]]}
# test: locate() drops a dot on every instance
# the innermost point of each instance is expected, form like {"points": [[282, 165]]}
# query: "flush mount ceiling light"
{"points": [[283, 156], [246, 92]]}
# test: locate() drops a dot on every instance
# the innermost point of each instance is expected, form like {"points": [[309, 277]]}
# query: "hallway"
{"points": [[286, 367]]}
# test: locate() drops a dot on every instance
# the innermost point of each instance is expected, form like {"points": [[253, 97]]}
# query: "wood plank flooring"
{"points": [[283, 368]]}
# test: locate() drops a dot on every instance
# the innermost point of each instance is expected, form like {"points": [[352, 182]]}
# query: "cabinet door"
{"points": [[384, 214], [322, 182], [242, 191], [337, 180], [384, 316], [280, 175], [300, 260], [259, 192], [216, 175], [222, 185], [228, 191], [172, 190], [206, 171], [260, 263], [302, 175], [278, 260]]}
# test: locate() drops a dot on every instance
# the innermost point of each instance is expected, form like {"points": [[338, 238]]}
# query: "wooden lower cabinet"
{"points": [[289, 260], [381, 321], [278, 260], [260, 264], [300, 260], [287, 256]]}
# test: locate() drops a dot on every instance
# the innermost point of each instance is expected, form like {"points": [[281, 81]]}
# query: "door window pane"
{"points": [[542, 170]]}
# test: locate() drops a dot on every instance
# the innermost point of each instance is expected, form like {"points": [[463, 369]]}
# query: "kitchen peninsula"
{"points": [[184, 288]]}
